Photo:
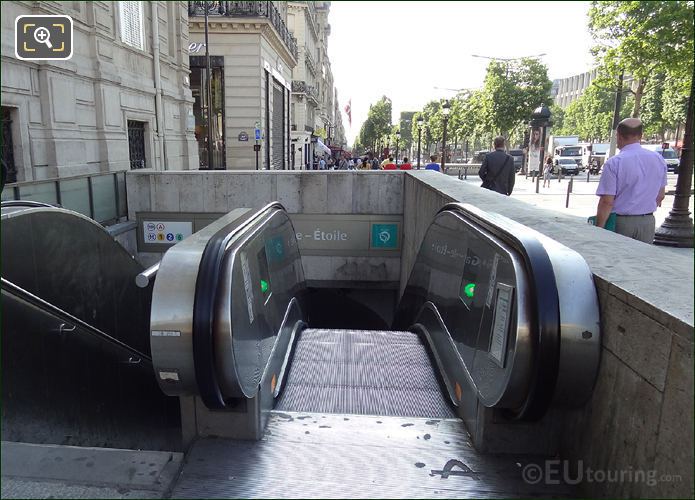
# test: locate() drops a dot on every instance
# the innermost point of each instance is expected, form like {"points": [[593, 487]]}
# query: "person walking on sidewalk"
{"points": [[497, 171], [547, 170], [632, 185]]}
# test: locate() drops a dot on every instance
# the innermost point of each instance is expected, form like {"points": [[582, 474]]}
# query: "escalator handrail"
{"points": [[36, 301], [28, 204], [545, 301], [204, 304]]}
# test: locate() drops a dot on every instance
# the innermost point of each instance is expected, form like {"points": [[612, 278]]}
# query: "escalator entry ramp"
{"points": [[497, 325]]}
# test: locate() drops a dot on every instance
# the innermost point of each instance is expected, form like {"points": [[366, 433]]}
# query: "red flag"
{"points": [[348, 111]]}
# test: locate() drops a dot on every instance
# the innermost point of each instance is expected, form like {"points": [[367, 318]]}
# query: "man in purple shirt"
{"points": [[633, 184]]}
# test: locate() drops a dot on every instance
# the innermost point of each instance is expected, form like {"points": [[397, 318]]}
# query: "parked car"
{"points": [[567, 166], [518, 156]]}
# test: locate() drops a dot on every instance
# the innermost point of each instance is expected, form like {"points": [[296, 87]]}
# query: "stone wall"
{"points": [[640, 417], [70, 117], [306, 192]]}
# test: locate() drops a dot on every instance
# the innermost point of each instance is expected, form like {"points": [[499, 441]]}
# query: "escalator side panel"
{"points": [[67, 386], [452, 293], [173, 307], [262, 276], [73, 263], [520, 308]]}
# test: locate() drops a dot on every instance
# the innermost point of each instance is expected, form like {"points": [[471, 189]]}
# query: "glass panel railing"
{"points": [[44, 192], [104, 198], [7, 194], [122, 197], [74, 195]]}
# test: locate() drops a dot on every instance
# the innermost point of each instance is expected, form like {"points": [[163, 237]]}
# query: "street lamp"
{"points": [[420, 121], [398, 138], [446, 109], [540, 119], [677, 229]]}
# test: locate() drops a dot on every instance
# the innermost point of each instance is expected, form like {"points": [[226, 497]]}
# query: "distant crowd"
{"points": [[370, 162]]}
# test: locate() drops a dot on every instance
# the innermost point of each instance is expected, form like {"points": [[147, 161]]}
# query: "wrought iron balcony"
{"points": [[300, 87], [265, 9]]}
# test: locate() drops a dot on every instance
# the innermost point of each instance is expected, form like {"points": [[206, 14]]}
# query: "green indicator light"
{"points": [[264, 286], [469, 290]]}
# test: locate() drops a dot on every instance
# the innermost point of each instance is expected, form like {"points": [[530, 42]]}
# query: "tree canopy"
{"points": [[643, 39]]}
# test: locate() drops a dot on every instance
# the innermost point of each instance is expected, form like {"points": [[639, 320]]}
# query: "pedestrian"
{"points": [[406, 165], [497, 170], [375, 161], [547, 170], [632, 185], [343, 164], [390, 165], [433, 165], [322, 164]]}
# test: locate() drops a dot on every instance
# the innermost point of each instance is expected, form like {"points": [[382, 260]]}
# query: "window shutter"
{"points": [[132, 30]]}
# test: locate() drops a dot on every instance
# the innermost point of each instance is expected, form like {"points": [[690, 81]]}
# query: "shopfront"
{"points": [[201, 107]]}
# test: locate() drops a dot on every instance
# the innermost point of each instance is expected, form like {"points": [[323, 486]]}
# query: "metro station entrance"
{"points": [[497, 326]]}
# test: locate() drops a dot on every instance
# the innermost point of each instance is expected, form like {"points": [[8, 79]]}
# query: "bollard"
{"points": [[569, 190], [459, 174], [465, 173], [588, 171]]}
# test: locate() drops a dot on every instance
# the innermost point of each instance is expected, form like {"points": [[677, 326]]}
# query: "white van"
{"points": [[669, 154]]}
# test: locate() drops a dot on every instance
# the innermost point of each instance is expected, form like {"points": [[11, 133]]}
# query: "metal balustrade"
{"points": [[247, 9]]}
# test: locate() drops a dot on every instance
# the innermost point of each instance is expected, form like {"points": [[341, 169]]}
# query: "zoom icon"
{"points": [[41, 38]]}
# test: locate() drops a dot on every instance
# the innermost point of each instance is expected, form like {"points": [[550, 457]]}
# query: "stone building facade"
{"points": [[302, 21], [316, 117], [252, 56], [120, 102]]}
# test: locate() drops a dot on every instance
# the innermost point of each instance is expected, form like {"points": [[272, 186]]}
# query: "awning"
{"points": [[322, 147]]}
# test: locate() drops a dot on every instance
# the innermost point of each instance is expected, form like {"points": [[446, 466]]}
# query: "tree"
{"points": [[643, 38], [512, 90], [591, 115], [405, 127], [377, 125]]}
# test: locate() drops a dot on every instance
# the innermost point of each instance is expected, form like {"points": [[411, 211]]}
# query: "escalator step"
{"points": [[363, 372]]}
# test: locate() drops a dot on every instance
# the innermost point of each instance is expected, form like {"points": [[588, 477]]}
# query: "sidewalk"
{"points": [[583, 199]]}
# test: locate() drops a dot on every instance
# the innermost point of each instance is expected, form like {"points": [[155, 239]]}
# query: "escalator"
{"points": [[497, 326], [77, 368], [492, 312]]}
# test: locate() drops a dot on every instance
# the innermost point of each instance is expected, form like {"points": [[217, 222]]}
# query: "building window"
{"points": [[9, 168], [132, 26], [136, 144]]}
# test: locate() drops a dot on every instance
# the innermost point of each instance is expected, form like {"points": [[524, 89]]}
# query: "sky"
{"points": [[406, 49]]}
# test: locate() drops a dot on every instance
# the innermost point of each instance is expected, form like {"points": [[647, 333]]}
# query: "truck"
{"points": [[565, 147], [594, 156]]}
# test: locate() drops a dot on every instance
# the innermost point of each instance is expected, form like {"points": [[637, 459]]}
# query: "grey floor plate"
{"points": [[310, 455], [364, 373]]}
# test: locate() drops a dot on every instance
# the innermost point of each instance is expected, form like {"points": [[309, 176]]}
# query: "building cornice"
{"points": [[231, 26]]}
